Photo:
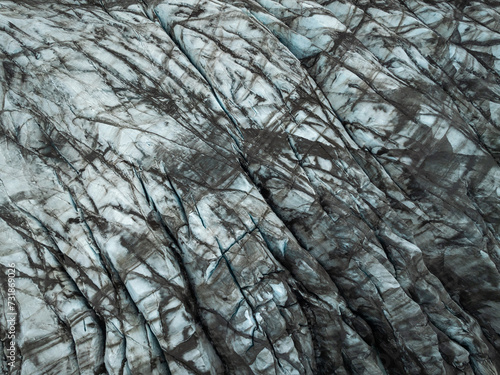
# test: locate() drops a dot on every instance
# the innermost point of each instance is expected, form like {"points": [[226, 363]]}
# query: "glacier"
{"points": [[250, 187]]}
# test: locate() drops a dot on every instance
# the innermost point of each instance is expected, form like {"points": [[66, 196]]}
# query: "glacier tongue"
{"points": [[250, 187]]}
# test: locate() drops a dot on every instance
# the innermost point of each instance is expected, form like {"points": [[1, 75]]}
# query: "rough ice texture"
{"points": [[251, 186]]}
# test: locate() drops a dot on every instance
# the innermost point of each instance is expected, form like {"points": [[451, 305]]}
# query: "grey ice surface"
{"points": [[250, 187]]}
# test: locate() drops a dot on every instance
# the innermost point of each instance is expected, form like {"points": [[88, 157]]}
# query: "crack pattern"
{"points": [[251, 187]]}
